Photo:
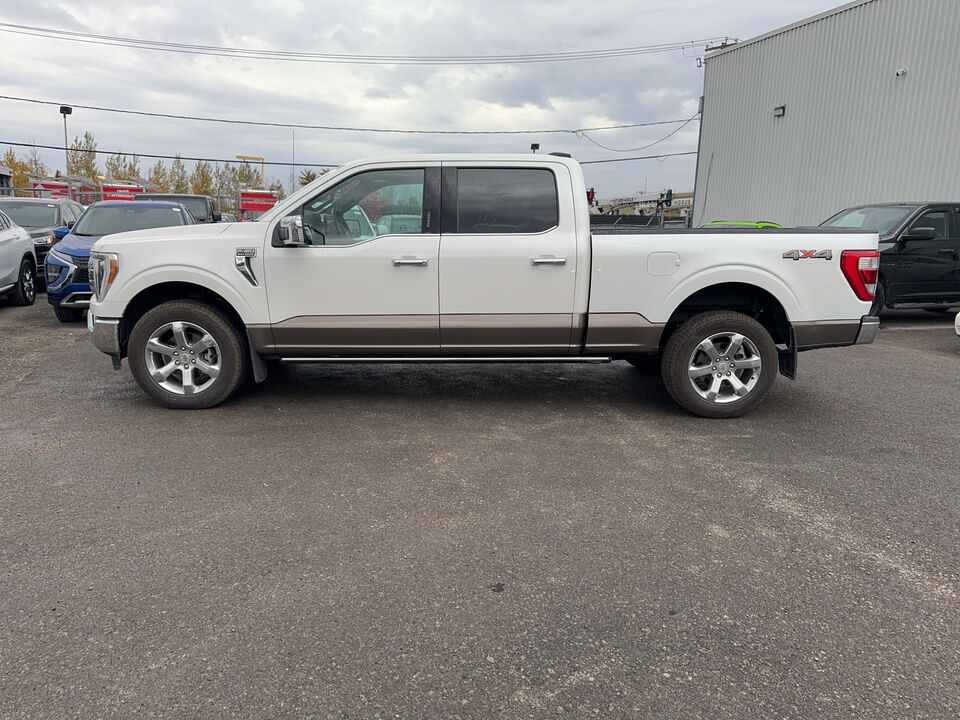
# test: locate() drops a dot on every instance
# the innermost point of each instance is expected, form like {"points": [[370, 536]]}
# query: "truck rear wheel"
{"points": [[187, 355], [719, 364]]}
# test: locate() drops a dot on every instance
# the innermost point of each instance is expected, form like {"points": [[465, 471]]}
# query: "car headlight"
{"points": [[44, 240], [66, 259], [103, 270]]}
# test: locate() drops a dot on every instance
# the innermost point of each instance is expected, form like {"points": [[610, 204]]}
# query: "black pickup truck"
{"points": [[919, 252], [202, 207]]}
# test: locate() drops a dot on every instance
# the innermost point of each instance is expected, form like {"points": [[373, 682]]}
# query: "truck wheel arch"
{"points": [[751, 300], [150, 297]]}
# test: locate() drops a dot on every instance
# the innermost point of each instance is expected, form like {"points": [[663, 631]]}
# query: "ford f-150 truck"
{"points": [[466, 259]]}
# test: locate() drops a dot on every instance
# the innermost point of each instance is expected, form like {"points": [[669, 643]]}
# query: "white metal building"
{"points": [[857, 105]]}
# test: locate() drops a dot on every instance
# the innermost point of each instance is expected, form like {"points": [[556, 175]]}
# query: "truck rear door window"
{"points": [[506, 200]]}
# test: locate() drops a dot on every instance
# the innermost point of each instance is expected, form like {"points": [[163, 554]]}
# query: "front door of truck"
{"points": [[364, 281], [508, 260], [926, 266]]}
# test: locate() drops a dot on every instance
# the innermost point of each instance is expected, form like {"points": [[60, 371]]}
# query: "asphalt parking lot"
{"points": [[480, 541]]}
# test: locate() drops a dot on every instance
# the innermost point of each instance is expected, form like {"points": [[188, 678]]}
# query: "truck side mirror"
{"points": [[291, 231], [920, 233]]}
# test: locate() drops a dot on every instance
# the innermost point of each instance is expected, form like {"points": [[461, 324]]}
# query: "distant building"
{"points": [[646, 204], [856, 105], [6, 181]]}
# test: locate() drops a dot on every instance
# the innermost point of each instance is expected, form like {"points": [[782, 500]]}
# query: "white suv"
{"points": [[18, 263]]}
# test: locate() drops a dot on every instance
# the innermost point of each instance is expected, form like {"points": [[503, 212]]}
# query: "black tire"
{"points": [[68, 314], [230, 355], [647, 364], [25, 292], [879, 300], [682, 353]]}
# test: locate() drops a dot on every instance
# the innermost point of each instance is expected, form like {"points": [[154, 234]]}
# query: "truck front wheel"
{"points": [[186, 354], [719, 364]]}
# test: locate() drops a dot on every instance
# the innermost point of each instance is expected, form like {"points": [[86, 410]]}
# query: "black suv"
{"points": [[40, 217], [919, 252], [202, 207]]}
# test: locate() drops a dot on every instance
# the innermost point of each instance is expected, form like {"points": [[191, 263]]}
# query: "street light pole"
{"points": [[66, 110]]}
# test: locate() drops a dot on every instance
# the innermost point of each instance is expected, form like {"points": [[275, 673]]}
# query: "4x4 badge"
{"points": [[808, 254]]}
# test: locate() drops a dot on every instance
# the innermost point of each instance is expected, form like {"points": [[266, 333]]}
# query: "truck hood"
{"points": [[183, 232]]}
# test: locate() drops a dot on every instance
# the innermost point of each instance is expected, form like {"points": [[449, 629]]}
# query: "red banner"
{"points": [[257, 200], [121, 192], [57, 190]]}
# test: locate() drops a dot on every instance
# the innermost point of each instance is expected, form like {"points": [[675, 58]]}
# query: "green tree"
{"points": [[307, 177], [132, 171], [178, 176], [34, 163], [225, 181], [82, 158], [247, 176], [116, 167], [201, 179], [159, 176]]}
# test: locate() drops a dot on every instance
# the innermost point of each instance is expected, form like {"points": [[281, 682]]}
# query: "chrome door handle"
{"points": [[397, 262], [548, 261]]}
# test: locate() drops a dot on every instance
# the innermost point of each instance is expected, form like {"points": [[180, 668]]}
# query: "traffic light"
{"points": [[669, 200]]}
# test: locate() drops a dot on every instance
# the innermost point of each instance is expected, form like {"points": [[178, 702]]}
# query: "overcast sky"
{"points": [[557, 95]]}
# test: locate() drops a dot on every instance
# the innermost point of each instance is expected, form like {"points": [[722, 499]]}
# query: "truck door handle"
{"points": [[947, 251], [548, 261], [397, 262]]}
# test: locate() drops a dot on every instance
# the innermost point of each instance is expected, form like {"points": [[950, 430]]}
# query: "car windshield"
{"points": [[31, 215], [196, 205], [880, 220], [115, 219]]}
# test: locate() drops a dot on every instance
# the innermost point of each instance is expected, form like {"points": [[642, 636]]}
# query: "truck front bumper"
{"points": [[105, 333]]}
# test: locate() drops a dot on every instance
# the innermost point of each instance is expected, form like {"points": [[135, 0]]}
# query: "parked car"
{"points": [[956, 323], [68, 285], [758, 224], [18, 263], [227, 217], [203, 207], [39, 217], [493, 259], [919, 252]]}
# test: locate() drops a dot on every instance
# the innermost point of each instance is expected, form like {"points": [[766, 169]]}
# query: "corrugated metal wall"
{"points": [[853, 131]]}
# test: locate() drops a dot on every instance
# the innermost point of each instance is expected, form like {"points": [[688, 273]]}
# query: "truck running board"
{"points": [[560, 359]]}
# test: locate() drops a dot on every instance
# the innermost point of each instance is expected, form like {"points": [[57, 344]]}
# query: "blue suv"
{"points": [[65, 267]]}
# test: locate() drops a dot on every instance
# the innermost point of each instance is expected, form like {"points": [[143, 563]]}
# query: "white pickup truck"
{"points": [[473, 259]]}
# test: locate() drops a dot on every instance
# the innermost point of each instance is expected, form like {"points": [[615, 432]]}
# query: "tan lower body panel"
{"points": [[518, 334], [528, 334], [359, 335], [622, 333], [823, 333]]}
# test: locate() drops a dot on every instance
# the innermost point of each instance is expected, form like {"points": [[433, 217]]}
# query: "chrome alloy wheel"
{"points": [[28, 284], [724, 368], [182, 358]]}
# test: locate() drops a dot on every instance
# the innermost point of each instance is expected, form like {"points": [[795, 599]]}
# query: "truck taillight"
{"points": [[860, 268]]}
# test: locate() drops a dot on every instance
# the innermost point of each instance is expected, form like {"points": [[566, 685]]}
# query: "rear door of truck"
{"points": [[508, 259]]}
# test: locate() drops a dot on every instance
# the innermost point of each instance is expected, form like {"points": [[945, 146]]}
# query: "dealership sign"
{"points": [[121, 192], [257, 200]]}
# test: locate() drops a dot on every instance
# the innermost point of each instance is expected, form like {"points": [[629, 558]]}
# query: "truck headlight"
{"points": [[103, 271]]}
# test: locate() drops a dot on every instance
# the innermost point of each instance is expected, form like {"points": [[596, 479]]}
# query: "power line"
{"points": [[162, 157], [639, 157], [294, 164], [354, 59], [642, 147], [297, 126]]}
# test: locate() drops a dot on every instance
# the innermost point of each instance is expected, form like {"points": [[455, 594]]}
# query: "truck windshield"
{"points": [[115, 219], [31, 215], [880, 220], [196, 205]]}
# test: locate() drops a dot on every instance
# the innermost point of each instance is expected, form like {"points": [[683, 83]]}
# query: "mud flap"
{"points": [[256, 362], [788, 358]]}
